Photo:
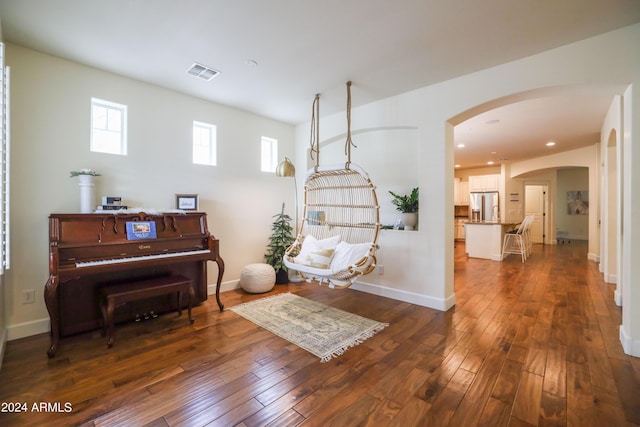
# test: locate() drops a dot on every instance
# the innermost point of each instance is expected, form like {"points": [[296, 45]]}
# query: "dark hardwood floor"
{"points": [[531, 344]]}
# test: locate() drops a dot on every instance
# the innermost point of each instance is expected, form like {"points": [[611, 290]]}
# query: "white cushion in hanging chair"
{"points": [[339, 201], [347, 254], [317, 253]]}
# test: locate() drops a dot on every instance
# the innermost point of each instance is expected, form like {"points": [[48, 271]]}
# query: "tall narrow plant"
{"points": [[281, 238]]}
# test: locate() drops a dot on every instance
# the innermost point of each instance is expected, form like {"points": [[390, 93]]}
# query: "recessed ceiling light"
{"points": [[460, 145], [456, 166], [489, 162], [550, 144]]}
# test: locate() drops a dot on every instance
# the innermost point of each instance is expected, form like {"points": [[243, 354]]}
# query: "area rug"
{"points": [[324, 331]]}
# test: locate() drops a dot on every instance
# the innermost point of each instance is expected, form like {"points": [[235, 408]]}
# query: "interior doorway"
{"points": [[536, 201]]}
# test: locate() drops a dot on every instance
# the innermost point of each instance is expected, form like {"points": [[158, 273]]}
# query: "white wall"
{"points": [[537, 175], [586, 157], [51, 116], [435, 109], [50, 113], [612, 184], [3, 323], [630, 329], [382, 153], [576, 226]]}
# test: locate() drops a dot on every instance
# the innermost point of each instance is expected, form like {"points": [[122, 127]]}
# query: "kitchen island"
{"points": [[483, 239]]}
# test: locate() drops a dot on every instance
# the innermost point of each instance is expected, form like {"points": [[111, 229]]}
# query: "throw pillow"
{"points": [[320, 258], [348, 253], [311, 244]]}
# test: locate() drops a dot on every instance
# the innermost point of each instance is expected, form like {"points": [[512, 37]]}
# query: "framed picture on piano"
{"points": [[137, 230], [187, 202]]}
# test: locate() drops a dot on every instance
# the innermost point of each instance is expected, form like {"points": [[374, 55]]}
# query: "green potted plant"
{"points": [[281, 238], [408, 205]]}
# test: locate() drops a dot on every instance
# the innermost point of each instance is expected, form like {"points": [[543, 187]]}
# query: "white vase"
{"points": [[87, 193], [410, 220]]}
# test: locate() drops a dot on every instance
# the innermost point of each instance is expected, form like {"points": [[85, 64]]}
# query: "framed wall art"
{"points": [[187, 202], [578, 202]]}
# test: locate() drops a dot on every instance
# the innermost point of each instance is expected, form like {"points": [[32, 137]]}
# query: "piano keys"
{"points": [[90, 251]]}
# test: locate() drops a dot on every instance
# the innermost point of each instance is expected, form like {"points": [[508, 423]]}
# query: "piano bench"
{"points": [[116, 295]]}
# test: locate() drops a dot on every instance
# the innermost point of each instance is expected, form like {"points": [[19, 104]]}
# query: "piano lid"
{"points": [[78, 229]]}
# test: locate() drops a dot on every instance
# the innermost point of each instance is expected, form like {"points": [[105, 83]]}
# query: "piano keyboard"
{"points": [[139, 258]]}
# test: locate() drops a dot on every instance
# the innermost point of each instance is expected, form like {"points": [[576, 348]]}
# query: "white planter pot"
{"points": [[410, 220], [87, 193]]}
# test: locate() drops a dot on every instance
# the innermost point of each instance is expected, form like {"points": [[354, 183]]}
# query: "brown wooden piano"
{"points": [[90, 251]]}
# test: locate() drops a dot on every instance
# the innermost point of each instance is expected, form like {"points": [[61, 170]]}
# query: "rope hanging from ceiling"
{"points": [[337, 239]]}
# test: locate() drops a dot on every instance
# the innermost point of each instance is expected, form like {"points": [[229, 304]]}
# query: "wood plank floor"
{"points": [[531, 344]]}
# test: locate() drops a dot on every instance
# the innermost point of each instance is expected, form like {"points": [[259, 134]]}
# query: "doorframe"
{"points": [[546, 211]]}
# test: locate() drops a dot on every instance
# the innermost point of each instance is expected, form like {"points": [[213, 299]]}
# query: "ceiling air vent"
{"points": [[202, 72]]}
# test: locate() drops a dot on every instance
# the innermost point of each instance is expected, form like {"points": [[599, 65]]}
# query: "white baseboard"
{"points": [[400, 295], [405, 296], [41, 326], [27, 329], [224, 287], [3, 344], [617, 297], [629, 345], [610, 278], [593, 257]]}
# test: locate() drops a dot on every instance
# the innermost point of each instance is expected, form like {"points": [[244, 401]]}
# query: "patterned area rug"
{"points": [[321, 330]]}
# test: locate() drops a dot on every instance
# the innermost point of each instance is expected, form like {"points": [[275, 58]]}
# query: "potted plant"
{"points": [[281, 238], [408, 205]]}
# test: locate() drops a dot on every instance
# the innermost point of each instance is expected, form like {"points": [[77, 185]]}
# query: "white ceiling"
{"points": [[304, 47]]}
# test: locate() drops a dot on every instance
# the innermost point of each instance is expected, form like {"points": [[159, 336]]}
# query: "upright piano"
{"points": [[90, 251]]}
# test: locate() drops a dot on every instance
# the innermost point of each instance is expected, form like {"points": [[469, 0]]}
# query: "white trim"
{"points": [[383, 291], [224, 287], [406, 296], [3, 344], [617, 297], [27, 329], [41, 326], [593, 257], [629, 345]]}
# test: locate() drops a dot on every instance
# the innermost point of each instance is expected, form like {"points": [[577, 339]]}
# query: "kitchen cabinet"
{"points": [[459, 231], [483, 183], [461, 192]]}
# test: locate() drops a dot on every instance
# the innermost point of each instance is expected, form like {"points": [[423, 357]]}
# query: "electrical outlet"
{"points": [[29, 296], [380, 269]]}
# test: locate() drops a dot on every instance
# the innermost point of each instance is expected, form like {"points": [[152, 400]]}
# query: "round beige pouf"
{"points": [[257, 278]]}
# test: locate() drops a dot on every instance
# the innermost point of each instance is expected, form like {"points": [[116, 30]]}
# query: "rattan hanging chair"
{"points": [[338, 236]]}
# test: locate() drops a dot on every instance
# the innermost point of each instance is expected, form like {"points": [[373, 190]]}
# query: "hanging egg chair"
{"points": [[337, 239]]}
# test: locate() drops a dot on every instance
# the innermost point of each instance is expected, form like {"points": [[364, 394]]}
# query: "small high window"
{"points": [[269, 159], [204, 144], [108, 127]]}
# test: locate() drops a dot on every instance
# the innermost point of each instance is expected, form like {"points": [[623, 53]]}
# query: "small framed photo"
{"points": [[187, 202]]}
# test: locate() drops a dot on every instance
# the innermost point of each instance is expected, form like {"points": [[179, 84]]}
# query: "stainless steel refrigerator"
{"points": [[484, 207]]}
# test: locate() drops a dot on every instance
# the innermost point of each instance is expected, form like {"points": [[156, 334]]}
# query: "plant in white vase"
{"points": [[407, 204], [84, 172]]}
